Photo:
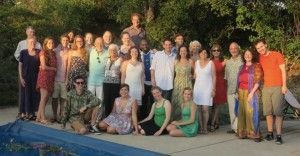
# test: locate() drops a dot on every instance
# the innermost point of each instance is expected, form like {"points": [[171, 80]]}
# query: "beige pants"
{"points": [[233, 118]]}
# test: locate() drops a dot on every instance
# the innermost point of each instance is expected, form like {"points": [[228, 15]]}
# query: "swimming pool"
{"points": [[25, 138]]}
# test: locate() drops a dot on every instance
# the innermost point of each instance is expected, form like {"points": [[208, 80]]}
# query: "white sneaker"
{"points": [[94, 128]]}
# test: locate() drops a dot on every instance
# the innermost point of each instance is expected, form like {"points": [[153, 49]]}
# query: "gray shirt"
{"points": [[136, 35], [231, 73]]}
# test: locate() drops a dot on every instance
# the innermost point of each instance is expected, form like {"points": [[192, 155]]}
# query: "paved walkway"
{"points": [[213, 144]]}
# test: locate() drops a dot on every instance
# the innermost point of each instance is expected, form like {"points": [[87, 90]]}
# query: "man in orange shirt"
{"points": [[274, 88]]}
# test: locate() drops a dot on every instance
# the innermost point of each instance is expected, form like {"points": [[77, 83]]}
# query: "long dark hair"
{"points": [[178, 57], [254, 53], [139, 54]]}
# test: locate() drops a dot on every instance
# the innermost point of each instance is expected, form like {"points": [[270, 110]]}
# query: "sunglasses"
{"points": [[216, 50], [80, 83]]}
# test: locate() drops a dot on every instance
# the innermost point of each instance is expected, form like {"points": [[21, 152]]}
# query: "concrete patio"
{"points": [[218, 143]]}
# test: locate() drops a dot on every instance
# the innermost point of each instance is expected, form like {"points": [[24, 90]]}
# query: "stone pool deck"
{"points": [[218, 143]]}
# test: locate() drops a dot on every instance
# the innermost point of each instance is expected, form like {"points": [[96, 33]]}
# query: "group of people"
{"points": [[134, 89]]}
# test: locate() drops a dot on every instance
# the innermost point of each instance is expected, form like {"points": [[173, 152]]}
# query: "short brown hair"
{"points": [[260, 40]]}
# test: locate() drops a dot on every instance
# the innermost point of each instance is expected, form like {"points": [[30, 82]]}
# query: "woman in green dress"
{"points": [[159, 116], [183, 78], [188, 125]]}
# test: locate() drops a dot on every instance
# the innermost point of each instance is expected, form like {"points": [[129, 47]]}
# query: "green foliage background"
{"points": [[208, 21]]}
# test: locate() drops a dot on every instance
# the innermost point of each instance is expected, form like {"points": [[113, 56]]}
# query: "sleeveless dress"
{"points": [[152, 126], [220, 97], [78, 67], [46, 77], [182, 80], [133, 79], [121, 118], [203, 84], [189, 130]]}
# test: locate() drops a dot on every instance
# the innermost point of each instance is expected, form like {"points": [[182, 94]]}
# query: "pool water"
{"points": [[13, 147], [21, 138]]}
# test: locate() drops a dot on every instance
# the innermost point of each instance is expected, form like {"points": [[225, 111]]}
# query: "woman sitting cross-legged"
{"points": [[123, 117], [188, 125], [159, 116]]}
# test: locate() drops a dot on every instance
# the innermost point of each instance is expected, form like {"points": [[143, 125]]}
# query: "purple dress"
{"points": [[30, 97], [121, 117]]}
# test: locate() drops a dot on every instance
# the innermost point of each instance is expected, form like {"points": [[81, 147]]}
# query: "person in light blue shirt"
{"points": [[97, 61]]}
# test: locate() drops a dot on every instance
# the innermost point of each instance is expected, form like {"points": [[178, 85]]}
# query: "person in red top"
{"points": [[220, 97], [46, 77], [274, 88]]}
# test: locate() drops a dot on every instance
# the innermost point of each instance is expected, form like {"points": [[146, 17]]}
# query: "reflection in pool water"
{"points": [[29, 139], [11, 146]]}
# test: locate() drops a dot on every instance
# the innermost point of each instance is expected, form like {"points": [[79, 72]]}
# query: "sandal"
{"points": [[212, 128], [32, 118], [44, 122]]}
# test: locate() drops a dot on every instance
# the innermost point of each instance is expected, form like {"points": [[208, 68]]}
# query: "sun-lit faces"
{"points": [[156, 94], [107, 37], [64, 41], [124, 91], [99, 43], [187, 95], [203, 54], [79, 42], [88, 38], [179, 40], [71, 36], [31, 43], [135, 20], [167, 46], [234, 49], [30, 32], [113, 53], [248, 56], [50, 44], [183, 52], [261, 48], [126, 39], [134, 53], [144, 45]]}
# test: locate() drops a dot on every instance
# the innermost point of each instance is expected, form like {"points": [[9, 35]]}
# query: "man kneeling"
{"points": [[82, 107]]}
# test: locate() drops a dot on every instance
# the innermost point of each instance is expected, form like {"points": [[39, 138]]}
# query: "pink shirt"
{"points": [[61, 63]]}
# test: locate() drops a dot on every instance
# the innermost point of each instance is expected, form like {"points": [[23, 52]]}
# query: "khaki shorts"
{"points": [[84, 118], [60, 90], [273, 101]]}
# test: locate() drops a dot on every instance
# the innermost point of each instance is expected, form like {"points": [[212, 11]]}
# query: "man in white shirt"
{"points": [[23, 44], [162, 69]]}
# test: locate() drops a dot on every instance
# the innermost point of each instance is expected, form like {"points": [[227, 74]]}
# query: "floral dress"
{"points": [[78, 68], [181, 81], [121, 117]]}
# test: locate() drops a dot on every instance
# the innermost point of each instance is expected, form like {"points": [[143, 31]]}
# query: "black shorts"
{"points": [[151, 128]]}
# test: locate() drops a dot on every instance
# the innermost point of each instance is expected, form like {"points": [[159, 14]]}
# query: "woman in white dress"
{"points": [[204, 88], [133, 74]]}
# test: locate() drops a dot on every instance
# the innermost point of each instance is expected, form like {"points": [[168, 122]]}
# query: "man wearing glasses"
{"points": [[82, 108]]}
